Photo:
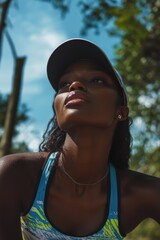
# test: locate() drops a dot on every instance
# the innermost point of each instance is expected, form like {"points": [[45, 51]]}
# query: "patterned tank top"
{"points": [[35, 224]]}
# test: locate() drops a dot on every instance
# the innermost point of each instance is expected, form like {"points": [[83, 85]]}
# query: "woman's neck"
{"points": [[85, 154]]}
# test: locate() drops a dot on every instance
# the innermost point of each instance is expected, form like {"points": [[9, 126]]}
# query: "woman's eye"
{"points": [[63, 85], [97, 80]]}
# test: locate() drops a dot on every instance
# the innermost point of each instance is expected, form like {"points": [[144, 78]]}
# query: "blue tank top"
{"points": [[35, 224]]}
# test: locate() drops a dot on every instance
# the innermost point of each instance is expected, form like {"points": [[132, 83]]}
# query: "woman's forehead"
{"points": [[84, 63]]}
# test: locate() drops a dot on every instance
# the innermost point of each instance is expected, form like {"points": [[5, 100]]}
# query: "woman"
{"points": [[78, 186]]}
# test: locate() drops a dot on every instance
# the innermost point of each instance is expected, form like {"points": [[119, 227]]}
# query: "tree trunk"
{"points": [[4, 11], [6, 141]]}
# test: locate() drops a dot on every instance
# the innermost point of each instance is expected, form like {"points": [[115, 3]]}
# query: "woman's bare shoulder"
{"points": [[18, 172], [140, 197], [141, 185], [19, 175], [21, 161], [138, 180], [21, 164], [31, 156]]}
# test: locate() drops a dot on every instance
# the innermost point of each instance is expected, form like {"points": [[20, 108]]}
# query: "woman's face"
{"points": [[87, 96]]}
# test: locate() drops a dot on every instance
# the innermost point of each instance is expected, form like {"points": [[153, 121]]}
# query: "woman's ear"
{"points": [[123, 113]]}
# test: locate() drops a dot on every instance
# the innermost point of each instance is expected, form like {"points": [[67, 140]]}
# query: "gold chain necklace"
{"points": [[83, 184]]}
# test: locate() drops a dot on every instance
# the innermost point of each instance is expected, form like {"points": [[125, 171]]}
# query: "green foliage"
{"points": [[3, 104], [138, 60], [94, 12], [20, 147], [136, 23], [148, 230], [22, 117]]}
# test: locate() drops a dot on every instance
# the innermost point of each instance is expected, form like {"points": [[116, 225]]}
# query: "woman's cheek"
{"points": [[55, 104], [58, 102], [58, 107]]}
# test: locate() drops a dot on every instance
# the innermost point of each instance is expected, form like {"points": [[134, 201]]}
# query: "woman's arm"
{"points": [[11, 181], [140, 198], [152, 198], [147, 196], [19, 174]]}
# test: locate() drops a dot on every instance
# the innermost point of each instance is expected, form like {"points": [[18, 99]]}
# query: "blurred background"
{"points": [[128, 32]]}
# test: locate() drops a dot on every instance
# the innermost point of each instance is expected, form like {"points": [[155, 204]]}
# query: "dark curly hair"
{"points": [[54, 137]]}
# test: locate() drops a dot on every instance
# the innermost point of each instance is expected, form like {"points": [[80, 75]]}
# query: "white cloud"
{"points": [[29, 136], [39, 49]]}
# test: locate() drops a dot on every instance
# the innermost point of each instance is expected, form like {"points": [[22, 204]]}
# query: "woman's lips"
{"points": [[76, 97]]}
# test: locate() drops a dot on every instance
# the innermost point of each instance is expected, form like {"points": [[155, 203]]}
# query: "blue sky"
{"points": [[37, 28]]}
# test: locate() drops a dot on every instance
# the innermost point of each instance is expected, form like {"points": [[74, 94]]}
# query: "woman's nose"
{"points": [[77, 85]]}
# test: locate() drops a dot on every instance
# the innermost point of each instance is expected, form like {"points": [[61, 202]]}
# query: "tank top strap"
{"points": [[113, 209], [40, 196]]}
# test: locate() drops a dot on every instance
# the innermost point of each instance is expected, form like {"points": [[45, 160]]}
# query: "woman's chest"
{"points": [[76, 215]]}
